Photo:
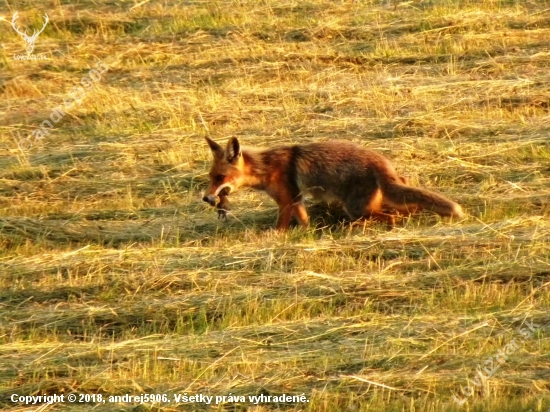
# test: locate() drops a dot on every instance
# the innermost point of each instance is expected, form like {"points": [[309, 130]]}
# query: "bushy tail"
{"points": [[403, 197]]}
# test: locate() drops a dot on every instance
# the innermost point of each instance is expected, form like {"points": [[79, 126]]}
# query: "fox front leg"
{"points": [[223, 207]]}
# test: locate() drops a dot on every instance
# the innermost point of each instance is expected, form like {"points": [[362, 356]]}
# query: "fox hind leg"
{"points": [[369, 205]]}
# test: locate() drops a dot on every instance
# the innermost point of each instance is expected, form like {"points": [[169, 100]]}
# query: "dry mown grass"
{"points": [[116, 278]]}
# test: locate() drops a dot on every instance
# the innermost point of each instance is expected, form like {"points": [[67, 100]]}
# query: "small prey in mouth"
{"points": [[223, 205]]}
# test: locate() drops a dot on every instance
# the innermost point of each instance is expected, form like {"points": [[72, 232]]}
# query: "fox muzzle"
{"points": [[210, 199]]}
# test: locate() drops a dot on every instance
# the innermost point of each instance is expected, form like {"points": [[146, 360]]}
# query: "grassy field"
{"points": [[115, 277]]}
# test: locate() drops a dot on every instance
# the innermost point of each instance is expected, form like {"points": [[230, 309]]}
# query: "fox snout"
{"points": [[210, 199]]}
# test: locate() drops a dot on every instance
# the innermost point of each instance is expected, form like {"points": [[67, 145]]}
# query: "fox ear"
{"points": [[233, 150], [217, 150]]}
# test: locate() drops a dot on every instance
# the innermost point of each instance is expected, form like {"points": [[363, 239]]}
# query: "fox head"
{"points": [[227, 169]]}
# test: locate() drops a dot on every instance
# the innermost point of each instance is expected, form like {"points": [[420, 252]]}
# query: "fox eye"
{"points": [[219, 178]]}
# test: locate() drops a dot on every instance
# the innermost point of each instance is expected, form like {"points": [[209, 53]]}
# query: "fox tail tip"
{"points": [[457, 211]]}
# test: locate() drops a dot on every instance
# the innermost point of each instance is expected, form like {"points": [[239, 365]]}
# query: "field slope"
{"points": [[115, 278]]}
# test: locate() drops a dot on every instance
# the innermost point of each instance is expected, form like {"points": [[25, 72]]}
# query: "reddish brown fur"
{"points": [[362, 180]]}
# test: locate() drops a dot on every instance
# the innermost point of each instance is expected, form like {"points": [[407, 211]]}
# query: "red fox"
{"points": [[362, 180]]}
